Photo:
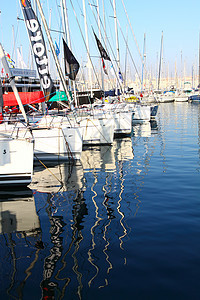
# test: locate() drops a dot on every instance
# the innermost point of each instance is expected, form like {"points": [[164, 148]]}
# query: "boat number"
{"points": [[4, 151]]}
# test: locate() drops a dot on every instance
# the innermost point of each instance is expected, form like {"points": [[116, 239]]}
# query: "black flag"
{"points": [[71, 64], [38, 47], [103, 53]]}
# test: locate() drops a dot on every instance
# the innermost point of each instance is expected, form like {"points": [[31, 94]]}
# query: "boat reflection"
{"points": [[83, 213], [110, 165], [19, 229], [18, 213], [57, 178], [142, 129]]}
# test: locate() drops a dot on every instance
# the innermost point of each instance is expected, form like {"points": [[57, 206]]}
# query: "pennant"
{"points": [[103, 53], [71, 64], [120, 76], [10, 60], [38, 47], [104, 67], [57, 49]]}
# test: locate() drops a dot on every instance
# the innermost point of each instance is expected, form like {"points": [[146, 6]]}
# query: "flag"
{"points": [[104, 67], [103, 53], [120, 76], [71, 64], [57, 49], [10, 60], [39, 48]]}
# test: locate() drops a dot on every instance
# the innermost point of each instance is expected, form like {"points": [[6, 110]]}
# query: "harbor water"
{"points": [[122, 224]]}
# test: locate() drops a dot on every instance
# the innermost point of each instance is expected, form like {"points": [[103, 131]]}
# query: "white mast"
{"points": [[143, 62], [117, 39], [104, 22], [102, 74], [67, 37], [161, 57], [116, 35], [87, 46]]}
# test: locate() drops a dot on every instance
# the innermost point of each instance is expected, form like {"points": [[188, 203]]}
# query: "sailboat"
{"points": [[96, 129], [77, 131], [53, 139], [16, 145]]}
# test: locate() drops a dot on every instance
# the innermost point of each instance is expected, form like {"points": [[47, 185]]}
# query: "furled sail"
{"points": [[103, 53], [38, 47], [71, 64]]}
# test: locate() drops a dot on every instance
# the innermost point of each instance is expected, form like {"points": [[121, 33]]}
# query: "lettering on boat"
{"points": [[39, 51]]}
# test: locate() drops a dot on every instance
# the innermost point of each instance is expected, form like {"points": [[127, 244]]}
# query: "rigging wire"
{"points": [[85, 43], [113, 54], [124, 38]]}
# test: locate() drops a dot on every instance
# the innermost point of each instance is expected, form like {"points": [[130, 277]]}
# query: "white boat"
{"points": [[142, 112], [16, 160], [16, 145], [57, 143], [166, 97], [97, 131], [182, 97], [53, 139], [91, 130], [120, 114]]}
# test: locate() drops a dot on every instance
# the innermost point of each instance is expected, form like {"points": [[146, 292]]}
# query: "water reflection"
{"points": [[20, 237], [57, 178], [83, 213], [108, 168]]}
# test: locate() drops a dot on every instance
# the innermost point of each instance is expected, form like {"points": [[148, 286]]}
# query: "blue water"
{"points": [[125, 224]]}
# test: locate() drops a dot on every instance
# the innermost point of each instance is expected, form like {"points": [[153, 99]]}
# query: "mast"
{"points": [[104, 23], [54, 55], [125, 70], [14, 47], [102, 74], [87, 46], [12, 82], [199, 62], [116, 36], [181, 69], [143, 62], [67, 38], [160, 65]]}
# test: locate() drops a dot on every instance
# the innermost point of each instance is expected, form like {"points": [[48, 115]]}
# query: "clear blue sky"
{"points": [[178, 19]]}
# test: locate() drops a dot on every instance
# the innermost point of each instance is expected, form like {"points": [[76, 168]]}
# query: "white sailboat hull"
{"points": [[119, 113], [16, 164], [141, 113], [60, 143], [97, 131]]}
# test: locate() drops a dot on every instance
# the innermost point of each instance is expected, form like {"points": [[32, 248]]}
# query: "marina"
{"points": [[123, 223], [99, 150]]}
